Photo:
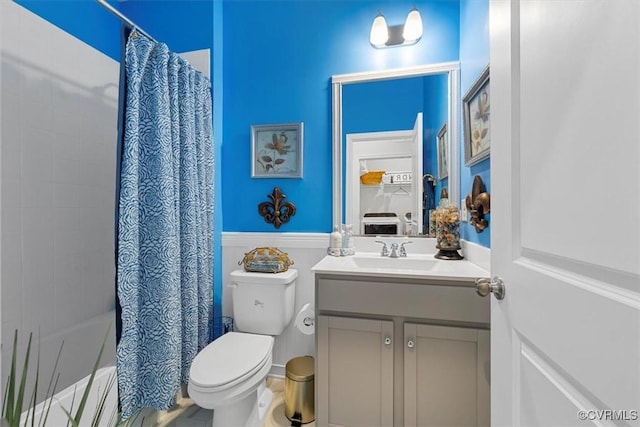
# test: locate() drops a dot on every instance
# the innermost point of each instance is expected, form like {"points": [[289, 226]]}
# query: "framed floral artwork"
{"points": [[276, 150], [443, 152], [477, 123]]}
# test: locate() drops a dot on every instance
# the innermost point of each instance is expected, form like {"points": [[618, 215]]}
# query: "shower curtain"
{"points": [[165, 251]]}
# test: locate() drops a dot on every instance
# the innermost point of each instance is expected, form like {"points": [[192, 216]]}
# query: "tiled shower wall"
{"points": [[58, 149]]}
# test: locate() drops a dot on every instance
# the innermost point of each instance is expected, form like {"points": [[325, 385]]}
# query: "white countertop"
{"points": [[414, 266]]}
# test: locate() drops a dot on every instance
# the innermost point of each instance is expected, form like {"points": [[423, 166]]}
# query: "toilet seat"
{"points": [[230, 360]]}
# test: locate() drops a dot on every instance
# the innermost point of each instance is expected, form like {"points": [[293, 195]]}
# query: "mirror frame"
{"points": [[453, 121]]}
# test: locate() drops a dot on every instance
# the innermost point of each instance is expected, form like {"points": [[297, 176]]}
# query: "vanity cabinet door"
{"points": [[354, 377], [446, 376]]}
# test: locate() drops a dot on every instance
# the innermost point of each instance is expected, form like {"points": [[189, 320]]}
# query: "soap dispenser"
{"points": [[335, 242], [347, 240], [447, 229]]}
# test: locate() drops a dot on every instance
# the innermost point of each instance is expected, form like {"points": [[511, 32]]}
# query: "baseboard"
{"points": [[277, 371]]}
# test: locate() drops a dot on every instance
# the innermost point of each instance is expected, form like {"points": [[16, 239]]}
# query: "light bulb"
{"points": [[412, 26], [379, 31]]}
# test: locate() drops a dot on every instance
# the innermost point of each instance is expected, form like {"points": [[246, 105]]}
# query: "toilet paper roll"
{"points": [[305, 320]]}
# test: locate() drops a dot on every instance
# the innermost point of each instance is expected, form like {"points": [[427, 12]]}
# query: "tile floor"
{"points": [[199, 417]]}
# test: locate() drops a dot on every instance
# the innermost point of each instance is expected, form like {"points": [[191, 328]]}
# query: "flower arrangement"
{"points": [[447, 229]]}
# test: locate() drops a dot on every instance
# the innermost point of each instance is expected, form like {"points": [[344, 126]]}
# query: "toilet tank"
{"points": [[263, 303]]}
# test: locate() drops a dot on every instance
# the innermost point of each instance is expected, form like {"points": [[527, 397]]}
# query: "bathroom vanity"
{"points": [[400, 342]]}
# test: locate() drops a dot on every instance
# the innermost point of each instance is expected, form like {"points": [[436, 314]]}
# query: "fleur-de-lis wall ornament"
{"points": [[478, 204], [276, 211]]}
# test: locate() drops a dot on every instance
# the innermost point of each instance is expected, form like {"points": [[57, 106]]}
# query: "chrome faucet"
{"points": [[394, 251], [385, 250], [403, 250], [397, 250]]}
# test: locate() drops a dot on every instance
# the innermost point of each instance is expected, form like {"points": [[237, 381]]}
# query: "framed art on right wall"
{"points": [[477, 124]]}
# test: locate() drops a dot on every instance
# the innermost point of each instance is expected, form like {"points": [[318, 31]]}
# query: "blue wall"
{"points": [[182, 25], [474, 57], [435, 115], [382, 106], [279, 57], [277, 65]]}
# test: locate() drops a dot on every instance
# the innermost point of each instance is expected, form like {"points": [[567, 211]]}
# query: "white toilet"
{"points": [[229, 375]]}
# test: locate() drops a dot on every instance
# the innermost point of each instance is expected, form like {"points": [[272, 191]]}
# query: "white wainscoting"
{"points": [[477, 254], [305, 249]]}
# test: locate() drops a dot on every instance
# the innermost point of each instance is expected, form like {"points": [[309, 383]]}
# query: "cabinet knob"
{"points": [[387, 341], [411, 344]]}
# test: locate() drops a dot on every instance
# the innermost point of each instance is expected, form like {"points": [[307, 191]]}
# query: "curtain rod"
{"points": [[124, 19]]}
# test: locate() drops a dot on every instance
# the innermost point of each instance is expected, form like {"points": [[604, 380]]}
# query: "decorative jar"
{"points": [[447, 229]]}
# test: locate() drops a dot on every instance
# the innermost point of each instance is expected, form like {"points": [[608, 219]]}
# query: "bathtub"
{"points": [[81, 346], [70, 398]]}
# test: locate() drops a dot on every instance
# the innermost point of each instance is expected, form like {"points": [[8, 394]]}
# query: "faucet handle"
{"points": [[403, 250], [385, 250]]}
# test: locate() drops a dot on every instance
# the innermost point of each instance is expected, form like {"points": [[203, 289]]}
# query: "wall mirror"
{"points": [[395, 145]]}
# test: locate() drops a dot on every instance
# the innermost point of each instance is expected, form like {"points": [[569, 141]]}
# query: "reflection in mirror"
{"points": [[386, 154]]}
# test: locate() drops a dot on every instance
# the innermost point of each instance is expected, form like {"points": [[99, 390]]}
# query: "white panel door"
{"points": [[566, 212]]}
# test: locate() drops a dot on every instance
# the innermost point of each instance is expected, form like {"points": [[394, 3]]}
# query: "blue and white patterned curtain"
{"points": [[165, 252]]}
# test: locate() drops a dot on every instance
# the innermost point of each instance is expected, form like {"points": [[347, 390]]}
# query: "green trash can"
{"points": [[299, 394]]}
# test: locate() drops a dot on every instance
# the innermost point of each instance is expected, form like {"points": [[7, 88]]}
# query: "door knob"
{"points": [[387, 341], [493, 286], [411, 344]]}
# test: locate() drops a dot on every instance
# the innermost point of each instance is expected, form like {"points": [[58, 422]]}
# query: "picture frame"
{"points": [[276, 150], [442, 148], [477, 120]]}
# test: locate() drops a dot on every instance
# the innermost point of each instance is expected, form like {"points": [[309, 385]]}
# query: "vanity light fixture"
{"points": [[383, 35]]}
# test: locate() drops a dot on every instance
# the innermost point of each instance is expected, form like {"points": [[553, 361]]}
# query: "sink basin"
{"points": [[413, 266], [421, 264]]}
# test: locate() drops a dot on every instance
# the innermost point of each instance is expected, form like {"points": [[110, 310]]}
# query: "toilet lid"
{"points": [[230, 358]]}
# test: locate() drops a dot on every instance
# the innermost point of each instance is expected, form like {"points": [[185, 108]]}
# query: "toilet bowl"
{"points": [[229, 375]]}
